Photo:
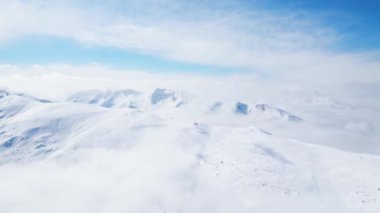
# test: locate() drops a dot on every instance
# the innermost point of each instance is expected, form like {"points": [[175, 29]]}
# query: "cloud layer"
{"points": [[286, 44]]}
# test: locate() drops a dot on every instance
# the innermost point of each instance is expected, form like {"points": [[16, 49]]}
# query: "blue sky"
{"points": [[357, 19], [199, 36], [44, 50]]}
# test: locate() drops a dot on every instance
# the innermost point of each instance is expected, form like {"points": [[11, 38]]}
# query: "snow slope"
{"points": [[135, 143], [128, 151]]}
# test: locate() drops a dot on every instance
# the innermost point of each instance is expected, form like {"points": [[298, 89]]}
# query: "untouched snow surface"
{"points": [[137, 148]]}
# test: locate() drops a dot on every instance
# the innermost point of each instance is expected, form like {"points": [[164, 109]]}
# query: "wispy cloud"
{"points": [[282, 43]]}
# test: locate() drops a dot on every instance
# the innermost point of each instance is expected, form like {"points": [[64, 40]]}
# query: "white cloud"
{"points": [[279, 44]]}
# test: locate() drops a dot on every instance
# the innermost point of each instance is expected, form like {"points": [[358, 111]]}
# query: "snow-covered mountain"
{"points": [[264, 111], [34, 128], [120, 98], [141, 149]]}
